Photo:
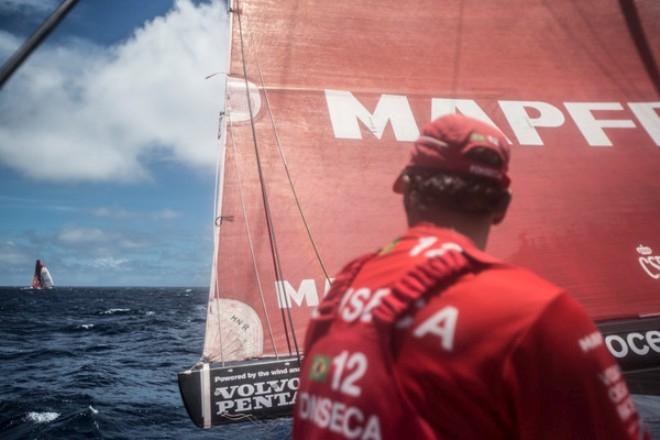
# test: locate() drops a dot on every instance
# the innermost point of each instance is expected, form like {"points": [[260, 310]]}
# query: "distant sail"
{"points": [[36, 278], [42, 279], [46, 278]]}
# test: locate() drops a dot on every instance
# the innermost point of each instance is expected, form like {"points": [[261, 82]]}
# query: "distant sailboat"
{"points": [[42, 278]]}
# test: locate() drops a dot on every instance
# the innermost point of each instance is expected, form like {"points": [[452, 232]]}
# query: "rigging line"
{"points": [[249, 236], [214, 285], [264, 192], [636, 30], [288, 176], [216, 235], [19, 57], [264, 195]]}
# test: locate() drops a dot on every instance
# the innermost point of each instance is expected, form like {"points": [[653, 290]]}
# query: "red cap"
{"points": [[446, 142]]}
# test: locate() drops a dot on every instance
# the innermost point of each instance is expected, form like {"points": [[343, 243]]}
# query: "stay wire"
{"points": [[267, 212], [216, 244], [288, 176]]}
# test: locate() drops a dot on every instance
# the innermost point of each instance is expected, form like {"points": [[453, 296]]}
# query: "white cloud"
{"points": [[116, 213], [8, 44], [166, 214], [108, 263], [12, 254], [122, 214], [99, 241], [127, 243], [82, 236], [84, 112]]}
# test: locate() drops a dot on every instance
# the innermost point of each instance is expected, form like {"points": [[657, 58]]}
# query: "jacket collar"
{"points": [[450, 235]]}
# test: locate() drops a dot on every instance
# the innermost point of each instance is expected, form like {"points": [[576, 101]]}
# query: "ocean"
{"points": [[92, 363], [88, 363]]}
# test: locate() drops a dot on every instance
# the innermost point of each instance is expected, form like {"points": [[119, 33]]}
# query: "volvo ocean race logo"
{"points": [[650, 263], [635, 350]]}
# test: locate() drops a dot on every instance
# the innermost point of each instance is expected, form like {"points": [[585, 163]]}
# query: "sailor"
{"points": [[433, 338]]}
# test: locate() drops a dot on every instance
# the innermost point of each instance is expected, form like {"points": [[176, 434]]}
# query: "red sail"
{"points": [[340, 91]]}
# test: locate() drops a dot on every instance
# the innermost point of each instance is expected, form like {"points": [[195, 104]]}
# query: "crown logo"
{"points": [[644, 250]]}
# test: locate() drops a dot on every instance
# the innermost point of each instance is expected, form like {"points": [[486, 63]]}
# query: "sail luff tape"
{"points": [[205, 383]]}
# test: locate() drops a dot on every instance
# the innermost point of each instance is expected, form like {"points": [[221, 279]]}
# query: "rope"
{"points": [[215, 285], [249, 236], [288, 176], [264, 194]]}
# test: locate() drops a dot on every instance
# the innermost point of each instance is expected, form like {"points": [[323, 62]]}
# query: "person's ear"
{"points": [[501, 208]]}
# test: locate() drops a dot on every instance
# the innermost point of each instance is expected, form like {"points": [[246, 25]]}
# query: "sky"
{"points": [[108, 142]]}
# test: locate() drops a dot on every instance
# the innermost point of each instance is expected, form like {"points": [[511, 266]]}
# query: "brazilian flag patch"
{"points": [[320, 368], [387, 249]]}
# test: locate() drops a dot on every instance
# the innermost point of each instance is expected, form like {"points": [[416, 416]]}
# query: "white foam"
{"points": [[87, 326], [113, 311], [42, 417]]}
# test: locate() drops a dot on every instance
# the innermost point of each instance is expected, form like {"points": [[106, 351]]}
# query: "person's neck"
{"points": [[476, 228]]}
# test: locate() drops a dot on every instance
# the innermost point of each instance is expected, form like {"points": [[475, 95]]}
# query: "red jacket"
{"points": [[432, 338]]}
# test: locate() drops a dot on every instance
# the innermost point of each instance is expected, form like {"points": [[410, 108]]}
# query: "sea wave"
{"points": [[117, 380], [42, 417], [114, 311]]}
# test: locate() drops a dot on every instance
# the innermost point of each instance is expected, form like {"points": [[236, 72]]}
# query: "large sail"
{"points": [[46, 278], [338, 91], [344, 87]]}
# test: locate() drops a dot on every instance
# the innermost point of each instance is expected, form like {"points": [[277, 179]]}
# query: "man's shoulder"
{"points": [[508, 279], [500, 294]]}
